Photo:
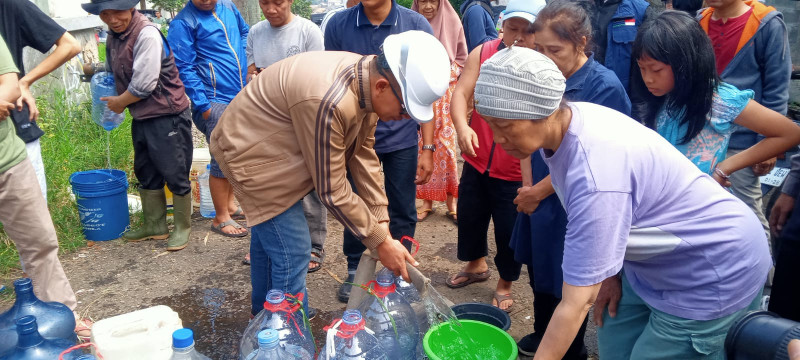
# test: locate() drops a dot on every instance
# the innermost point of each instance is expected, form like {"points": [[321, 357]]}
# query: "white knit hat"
{"points": [[519, 84]]}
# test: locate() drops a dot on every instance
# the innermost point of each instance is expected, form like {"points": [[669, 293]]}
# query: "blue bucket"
{"points": [[102, 199]]}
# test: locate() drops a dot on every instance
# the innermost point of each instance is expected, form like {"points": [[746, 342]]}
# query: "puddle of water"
{"points": [[217, 317]]}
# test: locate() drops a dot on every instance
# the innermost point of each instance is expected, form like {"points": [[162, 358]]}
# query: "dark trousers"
{"points": [[785, 295], [544, 305], [399, 171], [480, 199], [162, 152]]}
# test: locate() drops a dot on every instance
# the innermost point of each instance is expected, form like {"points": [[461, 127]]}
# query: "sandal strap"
{"points": [[230, 222]]}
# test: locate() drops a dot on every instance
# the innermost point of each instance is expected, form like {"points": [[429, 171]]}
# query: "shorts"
{"points": [[206, 126]]}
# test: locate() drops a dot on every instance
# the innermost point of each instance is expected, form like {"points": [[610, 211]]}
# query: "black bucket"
{"points": [[760, 335], [483, 312]]}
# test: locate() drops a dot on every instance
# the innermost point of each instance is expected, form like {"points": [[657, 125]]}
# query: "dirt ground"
{"points": [[209, 287]]}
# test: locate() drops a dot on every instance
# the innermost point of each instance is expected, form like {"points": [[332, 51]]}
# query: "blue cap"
{"points": [[526, 9], [182, 338], [268, 338]]}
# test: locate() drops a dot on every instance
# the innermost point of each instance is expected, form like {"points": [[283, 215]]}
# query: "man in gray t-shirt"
{"points": [[281, 36]]}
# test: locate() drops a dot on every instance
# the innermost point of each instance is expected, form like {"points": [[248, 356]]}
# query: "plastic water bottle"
{"points": [[269, 347], [54, 320], [394, 321], [285, 317], [31, 344], [350, 339], [206, 205], [102, 86], [409, 292], [183, 346]]}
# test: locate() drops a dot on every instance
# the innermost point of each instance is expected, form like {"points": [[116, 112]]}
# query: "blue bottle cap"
{"points": [[268, 338], [208, 167], [275, 297], [385, 277], [351, 317], [182, 338]]}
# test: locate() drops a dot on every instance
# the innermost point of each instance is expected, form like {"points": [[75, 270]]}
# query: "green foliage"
{"points": [[172, 6], [457, 5], [302, 8], [405, 3], [72, 142]]}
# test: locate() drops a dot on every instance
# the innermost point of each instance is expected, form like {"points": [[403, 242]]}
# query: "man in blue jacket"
{"points": [[208, 38], [478, 21]]}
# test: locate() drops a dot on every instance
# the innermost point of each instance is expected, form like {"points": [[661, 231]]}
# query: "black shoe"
{"points": [[312, 313], [529, 344], [344, 289]]}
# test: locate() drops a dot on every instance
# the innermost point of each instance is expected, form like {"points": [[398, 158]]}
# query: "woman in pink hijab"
{"points": [[443, 185]]}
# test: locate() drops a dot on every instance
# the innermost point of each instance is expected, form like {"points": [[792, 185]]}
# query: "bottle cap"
{"points": [[351, 317], [275, 297], [208, 167], [182, 338], [268, 338]]}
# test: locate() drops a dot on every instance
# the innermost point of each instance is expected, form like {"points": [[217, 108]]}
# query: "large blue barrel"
{"points": [[102, 202]]}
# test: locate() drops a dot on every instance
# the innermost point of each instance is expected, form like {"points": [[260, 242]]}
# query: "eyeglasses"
{"points": [[403, 111]]}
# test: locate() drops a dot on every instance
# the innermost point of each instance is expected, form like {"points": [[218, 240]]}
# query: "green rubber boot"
{"points": [[182, 213], [154, 207]]}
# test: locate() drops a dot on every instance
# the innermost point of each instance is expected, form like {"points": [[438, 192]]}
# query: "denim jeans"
{"points": [[399, 171], [280, 249]]}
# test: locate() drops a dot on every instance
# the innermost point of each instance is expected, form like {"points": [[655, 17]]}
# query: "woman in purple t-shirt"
{"points": [[688, 256]]}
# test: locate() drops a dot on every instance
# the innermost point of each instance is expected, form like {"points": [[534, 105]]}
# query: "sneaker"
{"points": [[529, 344], [344, 289]]}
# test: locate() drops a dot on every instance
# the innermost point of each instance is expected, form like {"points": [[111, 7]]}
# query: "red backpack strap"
{"points": [[489, 48]]}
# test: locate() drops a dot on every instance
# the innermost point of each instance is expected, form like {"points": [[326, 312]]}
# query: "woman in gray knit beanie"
{"points": [[686, 252]]}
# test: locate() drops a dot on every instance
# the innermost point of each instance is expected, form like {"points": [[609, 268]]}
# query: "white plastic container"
{"points": [[142, 334], [200, 158]]}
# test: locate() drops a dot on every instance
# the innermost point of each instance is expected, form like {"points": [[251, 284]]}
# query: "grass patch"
{"points": [[72, 142]]}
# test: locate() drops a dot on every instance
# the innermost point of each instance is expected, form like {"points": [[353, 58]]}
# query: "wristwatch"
{"points": [[430, 147]]}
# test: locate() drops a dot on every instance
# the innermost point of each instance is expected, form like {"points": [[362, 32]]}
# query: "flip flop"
{"points": [[471, 278], [238, 214], [218, 229], [499, 298], [452, 216], [317, 256], [426, 212]]}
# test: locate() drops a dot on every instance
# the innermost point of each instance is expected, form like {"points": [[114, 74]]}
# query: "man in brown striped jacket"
{"points": [[299, 126]]}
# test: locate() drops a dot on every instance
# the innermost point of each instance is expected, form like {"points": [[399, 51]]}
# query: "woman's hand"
{"points": [[721, 180], [467, 140], [764, 167]]}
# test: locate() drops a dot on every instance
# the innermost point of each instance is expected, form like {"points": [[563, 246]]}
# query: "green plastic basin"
{"points": [[483, 334]]}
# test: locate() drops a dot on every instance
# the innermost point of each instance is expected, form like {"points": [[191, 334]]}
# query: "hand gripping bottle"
{"points": [[283, 315], [348, 338], [183, 346], [54, 320], [102, 86], [31, 344], [391, 317]]}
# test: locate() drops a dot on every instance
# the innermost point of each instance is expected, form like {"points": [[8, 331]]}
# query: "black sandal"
{"points": [[317, 256]]}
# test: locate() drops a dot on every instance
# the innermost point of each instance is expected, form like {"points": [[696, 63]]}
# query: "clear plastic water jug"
{"points": [[269, 348], [282, 313], [31, 344], [102, 86], [206, 205], [409, 292], [183, 346], [348, 338], [54, 320], [391, 317]]}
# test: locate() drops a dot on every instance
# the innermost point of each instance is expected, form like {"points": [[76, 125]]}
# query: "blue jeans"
{"points": [[280, 250], [399, 171]]}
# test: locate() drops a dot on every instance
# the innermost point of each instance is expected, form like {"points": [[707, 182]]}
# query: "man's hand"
{"points": [[467, 140], [114, 103], [527, 199], [5, 109], [206, 114], [794, 349], [424, 168], [609, 295], [393, 255], [780, 213], [763, 168], [27, 98]]}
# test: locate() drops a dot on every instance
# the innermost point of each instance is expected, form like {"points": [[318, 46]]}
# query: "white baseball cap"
{"points": [[526, 9], [421, 66]]}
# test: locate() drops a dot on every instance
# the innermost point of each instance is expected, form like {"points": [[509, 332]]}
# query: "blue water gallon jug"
{"points": [[102, 86], [183, 346], [350, 339], [282, 314], [55, 320], [32, 346], [391, 317]]}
